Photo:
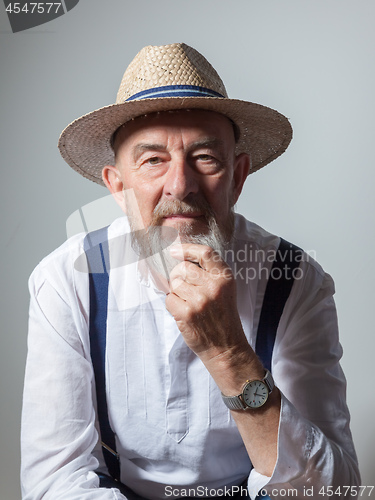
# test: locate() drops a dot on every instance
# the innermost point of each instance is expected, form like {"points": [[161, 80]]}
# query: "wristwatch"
{"points": [[254, 394]]}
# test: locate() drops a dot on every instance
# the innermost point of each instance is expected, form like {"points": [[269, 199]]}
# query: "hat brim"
{"points": [[85, 144]]}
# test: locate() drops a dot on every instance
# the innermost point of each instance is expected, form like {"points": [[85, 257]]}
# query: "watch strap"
{"points": [[268, 380], [234, 402]]}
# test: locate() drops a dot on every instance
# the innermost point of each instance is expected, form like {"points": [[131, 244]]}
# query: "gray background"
{"points": [[313, 60]]}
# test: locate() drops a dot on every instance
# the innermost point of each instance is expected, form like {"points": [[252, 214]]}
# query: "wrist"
{"points": [[232, 367]]}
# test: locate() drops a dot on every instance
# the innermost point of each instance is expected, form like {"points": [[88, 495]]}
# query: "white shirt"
{"points": [[171, 425]]}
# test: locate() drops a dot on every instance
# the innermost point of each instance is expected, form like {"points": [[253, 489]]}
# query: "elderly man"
{"points": [[204, 356]]}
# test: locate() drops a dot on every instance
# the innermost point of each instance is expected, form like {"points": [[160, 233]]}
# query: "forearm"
{"points": [[309, 460], [58, 427], [58, 420], [258, 427], [282, 444], [288, 450]]}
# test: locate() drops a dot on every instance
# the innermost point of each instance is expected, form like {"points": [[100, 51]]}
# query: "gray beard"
{"points": [[153, 243], [159, 236]]}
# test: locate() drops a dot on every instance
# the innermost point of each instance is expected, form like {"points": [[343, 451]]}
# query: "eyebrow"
{"points": [[144, 147], [207, 142]]}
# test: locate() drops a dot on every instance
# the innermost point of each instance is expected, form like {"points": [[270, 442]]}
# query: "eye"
{"points": [[206, 163], [205, 157], [154, 160]]}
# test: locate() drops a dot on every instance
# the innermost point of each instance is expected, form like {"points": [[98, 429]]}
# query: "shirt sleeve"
{"points": [[58, 434], [315, 448]]}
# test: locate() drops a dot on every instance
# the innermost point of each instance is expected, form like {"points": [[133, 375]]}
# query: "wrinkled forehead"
{"points": [[212, 122]]}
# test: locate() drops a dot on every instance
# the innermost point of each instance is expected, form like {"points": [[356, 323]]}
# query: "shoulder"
{"points": [[67, 263], [262, 246], [58, 263]]}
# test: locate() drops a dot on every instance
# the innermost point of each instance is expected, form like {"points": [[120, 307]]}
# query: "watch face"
{"points": [[255, 393]]}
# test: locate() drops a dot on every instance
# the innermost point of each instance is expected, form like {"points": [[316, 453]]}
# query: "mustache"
{"points": [[176, 207]]}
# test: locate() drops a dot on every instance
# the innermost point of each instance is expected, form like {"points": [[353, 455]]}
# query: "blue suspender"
{"points": [[278, 288], [279, 285], [96, 248]]}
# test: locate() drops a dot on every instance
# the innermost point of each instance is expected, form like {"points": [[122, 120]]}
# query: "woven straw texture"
{"points": [[176, 64], [86, 143]]}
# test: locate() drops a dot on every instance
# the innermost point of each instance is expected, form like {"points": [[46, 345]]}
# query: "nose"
{"points": [[180, 180]]}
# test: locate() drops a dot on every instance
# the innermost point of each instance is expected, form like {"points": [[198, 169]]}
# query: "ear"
{"points": [[241, 170], [112, 179]]}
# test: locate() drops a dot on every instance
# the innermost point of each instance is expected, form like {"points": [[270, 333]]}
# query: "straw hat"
{"points": [[171, 77]]}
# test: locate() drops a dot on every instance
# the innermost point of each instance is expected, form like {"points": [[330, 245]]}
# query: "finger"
{"points": [[176, 306], [207, 258], [189, 272], [180, 288]]}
